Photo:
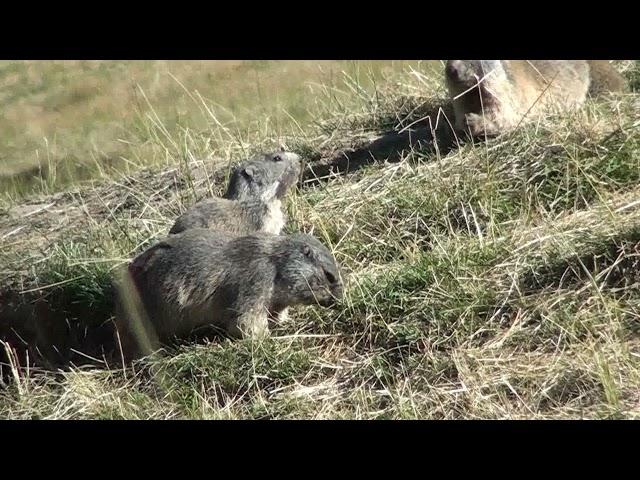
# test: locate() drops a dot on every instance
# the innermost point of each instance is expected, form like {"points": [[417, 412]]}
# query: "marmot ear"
{"points": [[141, 262], [306, 250], [248, 172]]}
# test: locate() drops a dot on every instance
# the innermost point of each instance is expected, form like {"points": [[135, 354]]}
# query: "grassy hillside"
{"points": [[495, 280], [69, 121]]}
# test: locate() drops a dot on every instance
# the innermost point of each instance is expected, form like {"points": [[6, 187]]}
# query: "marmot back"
{"points": [[605, 78], [203, 278], [232, 216], [493, 96], [252, 202]]}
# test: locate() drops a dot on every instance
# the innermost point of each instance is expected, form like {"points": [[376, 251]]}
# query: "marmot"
{"points": [[493, 96], [203, 278], [252, 202]]}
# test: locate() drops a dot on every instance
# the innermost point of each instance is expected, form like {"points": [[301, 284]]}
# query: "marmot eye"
{"points": [[330, 277], [277, 158]]}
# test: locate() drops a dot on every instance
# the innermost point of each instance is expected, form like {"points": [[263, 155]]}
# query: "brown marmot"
{"points": [[252, 202], [494, 96], [204, 278]]}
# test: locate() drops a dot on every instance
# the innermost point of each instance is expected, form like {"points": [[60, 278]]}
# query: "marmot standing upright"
{"points": [[494, 96], [202, 278], [252, 202]]}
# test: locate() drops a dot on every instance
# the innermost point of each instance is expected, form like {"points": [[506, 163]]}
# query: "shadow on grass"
{"points": [[431, 134], [57, 327]]}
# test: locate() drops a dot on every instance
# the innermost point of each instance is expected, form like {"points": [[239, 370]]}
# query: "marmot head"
{"points": [[264, 177], [306, 272], [468, 82], [463, 73]]}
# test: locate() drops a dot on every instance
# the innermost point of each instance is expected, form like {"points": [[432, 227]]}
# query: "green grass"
{"points": [[498, 281]]}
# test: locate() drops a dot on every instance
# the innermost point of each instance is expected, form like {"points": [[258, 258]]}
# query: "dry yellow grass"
{"points": [[66, 121]]}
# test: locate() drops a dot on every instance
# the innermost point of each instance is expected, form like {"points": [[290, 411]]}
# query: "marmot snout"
{"points": [[462, 72]]}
